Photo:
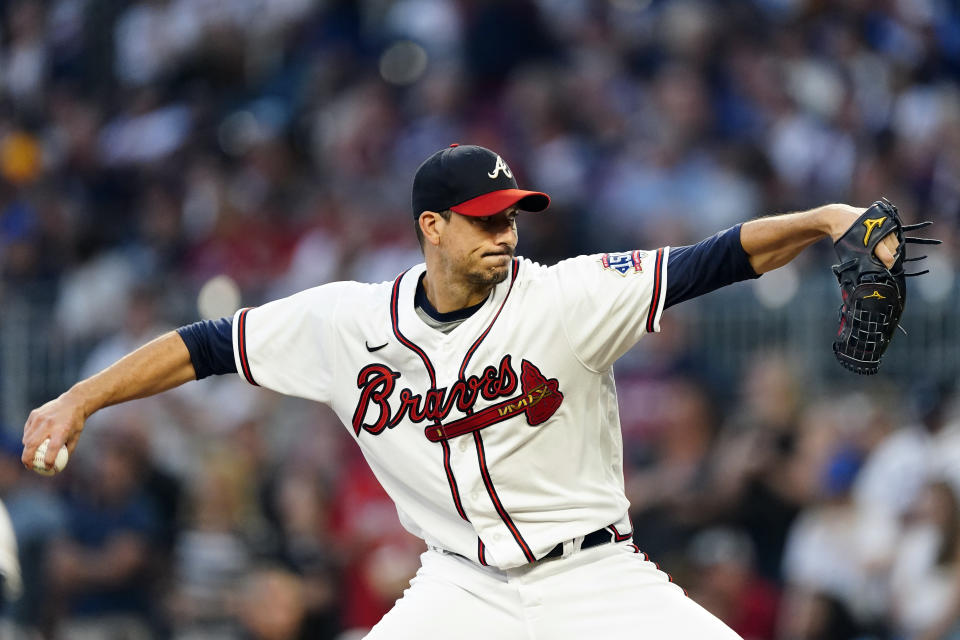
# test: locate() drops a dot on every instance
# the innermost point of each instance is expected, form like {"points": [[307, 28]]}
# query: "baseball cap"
{"points": [[471, 180]]}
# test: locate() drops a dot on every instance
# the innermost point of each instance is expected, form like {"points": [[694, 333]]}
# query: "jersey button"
{"points": [[463, 444], [475, 496]]}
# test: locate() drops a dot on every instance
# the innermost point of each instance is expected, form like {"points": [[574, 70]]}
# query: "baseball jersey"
{"points": [[497, 440]]}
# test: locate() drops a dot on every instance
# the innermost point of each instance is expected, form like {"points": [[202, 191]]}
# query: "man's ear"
{"points": [[431, 225]]}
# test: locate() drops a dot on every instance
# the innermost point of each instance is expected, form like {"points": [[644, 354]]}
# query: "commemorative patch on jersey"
{"points": [[623, 262]]}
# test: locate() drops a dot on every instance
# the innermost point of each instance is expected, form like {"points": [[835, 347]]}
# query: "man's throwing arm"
{"points": [[159, 365], [164, 363]]}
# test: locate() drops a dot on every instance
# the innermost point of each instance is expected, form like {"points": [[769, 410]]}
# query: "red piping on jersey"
{"points": [[242, 345], [496, 501], [481, 457], [657, 565], [402, 338], [618, 537], [655, 302], [481, 554], [451, 480]]}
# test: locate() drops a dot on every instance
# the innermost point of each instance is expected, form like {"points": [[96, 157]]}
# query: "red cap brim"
{"points": [[496, 201]]}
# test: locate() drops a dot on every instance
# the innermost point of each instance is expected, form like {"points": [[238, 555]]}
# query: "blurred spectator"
{"points": [[37, 517], [925, 578], [213, 552], [667, 482], [835, 551], [93, 296], [380, 556], [310, 550], [20, 158], [26, 57], [903, 462], [271, 606], [754, 460], [12, 582], [99, 571], [724, 580], [140, 325]]}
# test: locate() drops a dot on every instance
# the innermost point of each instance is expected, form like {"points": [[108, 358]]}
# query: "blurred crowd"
{"points": [[150, 148]]}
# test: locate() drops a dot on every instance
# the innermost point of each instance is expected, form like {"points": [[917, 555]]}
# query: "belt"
{"points": [[594, 539]]}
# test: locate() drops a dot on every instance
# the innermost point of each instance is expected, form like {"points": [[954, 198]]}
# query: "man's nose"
{"points": [[506, 232]]}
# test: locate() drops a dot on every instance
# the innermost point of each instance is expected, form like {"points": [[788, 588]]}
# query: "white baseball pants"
{"points": [[606, 591]]}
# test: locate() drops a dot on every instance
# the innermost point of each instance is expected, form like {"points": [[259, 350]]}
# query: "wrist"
{"points": [[79, 398], [835, 219], [825, 220]]}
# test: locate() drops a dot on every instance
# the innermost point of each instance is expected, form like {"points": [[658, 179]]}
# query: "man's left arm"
{"points": [[747, 250], [774, 241]]}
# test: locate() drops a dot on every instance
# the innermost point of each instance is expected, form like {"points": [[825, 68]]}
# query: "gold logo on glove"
{"points": [[871, 224], [875, 294]]}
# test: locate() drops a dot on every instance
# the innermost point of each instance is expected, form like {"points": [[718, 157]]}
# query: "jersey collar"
{"points": [[411, 324]]}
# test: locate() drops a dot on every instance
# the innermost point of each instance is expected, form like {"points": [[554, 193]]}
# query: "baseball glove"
{"points": [[873, 296]]}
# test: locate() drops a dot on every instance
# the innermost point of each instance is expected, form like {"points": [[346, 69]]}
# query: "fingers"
{"points": [[56, 441], [55, 420], [72, 442], [34, 433], [886, 250]]}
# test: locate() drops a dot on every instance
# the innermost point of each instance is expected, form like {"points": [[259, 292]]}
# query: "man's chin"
{"points": [[490, 277]]}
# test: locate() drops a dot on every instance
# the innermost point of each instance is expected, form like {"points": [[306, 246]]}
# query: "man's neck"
{"points": [[447, 296]]}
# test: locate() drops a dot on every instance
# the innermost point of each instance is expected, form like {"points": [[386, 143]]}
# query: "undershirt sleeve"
{"points": [[210, 343], [712, 263]]}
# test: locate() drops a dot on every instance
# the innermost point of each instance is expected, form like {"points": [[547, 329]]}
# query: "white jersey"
{"points": [[498, 440]]}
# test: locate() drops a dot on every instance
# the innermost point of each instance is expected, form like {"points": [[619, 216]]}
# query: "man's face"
{"points": [[480, 249]]}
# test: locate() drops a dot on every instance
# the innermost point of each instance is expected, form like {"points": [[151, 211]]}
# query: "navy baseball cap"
{"points": [[471, 180]]}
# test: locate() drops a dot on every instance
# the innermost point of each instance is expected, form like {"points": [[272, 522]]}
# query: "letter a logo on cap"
{"points": [[500, 166]]}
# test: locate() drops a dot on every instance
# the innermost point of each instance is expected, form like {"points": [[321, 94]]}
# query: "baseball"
{"points": [[62, 457]]}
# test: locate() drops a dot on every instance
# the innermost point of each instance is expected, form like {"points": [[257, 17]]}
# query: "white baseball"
{"points": [[62, 457]]}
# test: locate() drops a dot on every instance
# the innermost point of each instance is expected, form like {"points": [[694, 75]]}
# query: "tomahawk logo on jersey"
{"points": [[444, 419]]}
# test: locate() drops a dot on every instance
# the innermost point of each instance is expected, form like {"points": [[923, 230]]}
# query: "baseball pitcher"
{"points": [[479, 386]]}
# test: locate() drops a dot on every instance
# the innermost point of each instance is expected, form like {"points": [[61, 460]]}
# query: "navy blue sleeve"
{"points": [[710, 264], [210, 343]]}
